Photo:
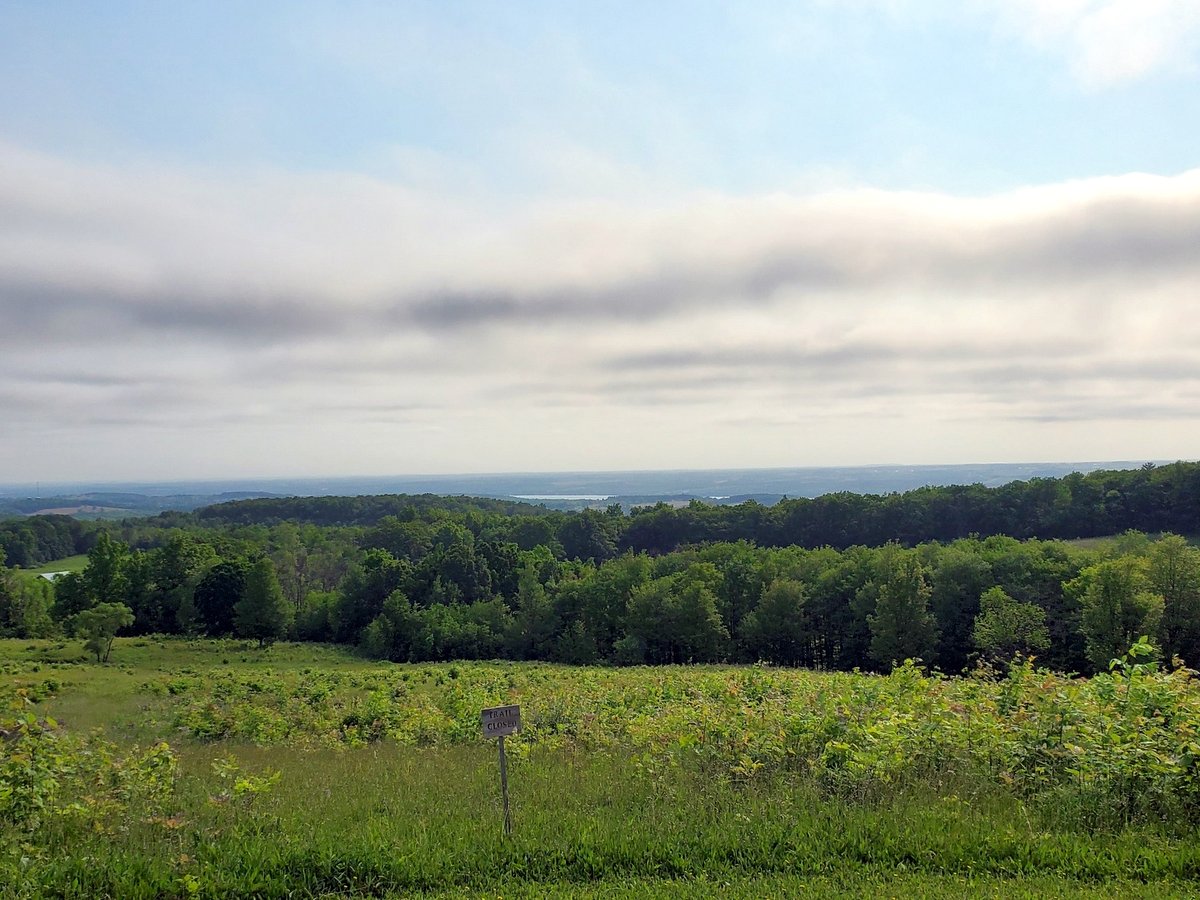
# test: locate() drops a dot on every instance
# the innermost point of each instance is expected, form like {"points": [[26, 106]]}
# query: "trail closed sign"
{"points": [[497, 722], [501, 720]]}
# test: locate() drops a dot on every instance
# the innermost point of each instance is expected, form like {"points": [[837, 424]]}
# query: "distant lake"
{"points": [[561, 496]]}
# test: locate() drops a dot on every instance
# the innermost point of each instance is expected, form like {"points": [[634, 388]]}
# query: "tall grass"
{"points": [[591, 819]]}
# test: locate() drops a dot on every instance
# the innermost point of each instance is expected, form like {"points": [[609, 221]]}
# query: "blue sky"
{"points": [[732, 97], [436, 237]]}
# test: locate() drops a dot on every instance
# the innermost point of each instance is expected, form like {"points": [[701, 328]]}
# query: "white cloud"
{"points": [[361, 325], [1106, 42]]}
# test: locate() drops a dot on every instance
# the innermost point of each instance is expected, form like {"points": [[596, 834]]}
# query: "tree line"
{"points": [[29, 542], [445, 585], [1150, 499], [950, 605]]}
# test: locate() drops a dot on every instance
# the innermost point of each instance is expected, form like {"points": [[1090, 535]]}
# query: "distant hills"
{"points": [[556, 490], [114, 505]]}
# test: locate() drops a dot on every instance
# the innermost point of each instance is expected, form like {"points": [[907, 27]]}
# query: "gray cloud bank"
{"points": [[270, 303]]}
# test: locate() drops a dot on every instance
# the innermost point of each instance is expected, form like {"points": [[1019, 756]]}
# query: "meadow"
{"points": [[209, 768], [75, 563]]}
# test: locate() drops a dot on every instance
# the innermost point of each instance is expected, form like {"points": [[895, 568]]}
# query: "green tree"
{"points": [[7, 584], [364, 590], [295, 562], [776, 630], [460, 631], [70, 596], [98, 626], [176, 569], [604, 599], [24, 605], [104, 576], [142, 596], [577, 647], [460, 565], [901, 626], [959, 577], [411, 540], [742, 580], [590, 534], [532, 629], [105, 579], [1174, 574], [317, 617], [675, 617], [1116, 607], [1036, 572], [840, 599], [1006, 627], [217, 593], [390, 634], [503, 560], [29, 614], [263, 612]]}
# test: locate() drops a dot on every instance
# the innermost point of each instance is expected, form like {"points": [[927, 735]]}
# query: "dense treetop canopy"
{"points": [[951, 575]]}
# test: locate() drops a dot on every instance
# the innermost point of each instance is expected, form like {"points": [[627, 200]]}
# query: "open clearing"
{"points": [[69, 564], [306, 771]]}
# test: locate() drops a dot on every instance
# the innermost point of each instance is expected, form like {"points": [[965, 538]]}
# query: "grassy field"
{"points": [[69, 564], [305, 771]]}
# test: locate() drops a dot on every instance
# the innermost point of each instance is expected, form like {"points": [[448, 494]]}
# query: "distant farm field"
{"points": [[305, 771], [68, 564]]}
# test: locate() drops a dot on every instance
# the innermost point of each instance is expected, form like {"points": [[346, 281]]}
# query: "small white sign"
{"points": [[501, 720]]}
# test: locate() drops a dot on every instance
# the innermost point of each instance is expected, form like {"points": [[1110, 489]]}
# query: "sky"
{"points": [[289, 239]]}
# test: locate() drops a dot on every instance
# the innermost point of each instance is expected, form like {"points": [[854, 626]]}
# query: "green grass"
{"points": [[865, 885], [155, 653], [386, 821], [109, 696], [67, 564], [391, 820]]}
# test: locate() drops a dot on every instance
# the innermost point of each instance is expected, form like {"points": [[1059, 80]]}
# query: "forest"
{"points": [[953, 577]]}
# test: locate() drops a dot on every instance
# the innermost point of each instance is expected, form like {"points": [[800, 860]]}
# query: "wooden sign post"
{"points": [[497, 722]]}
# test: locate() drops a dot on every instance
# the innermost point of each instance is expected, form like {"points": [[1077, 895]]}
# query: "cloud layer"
{"points": [[292, 323]]}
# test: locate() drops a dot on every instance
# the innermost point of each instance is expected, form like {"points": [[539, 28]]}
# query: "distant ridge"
{"points": [[560, 490]]}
